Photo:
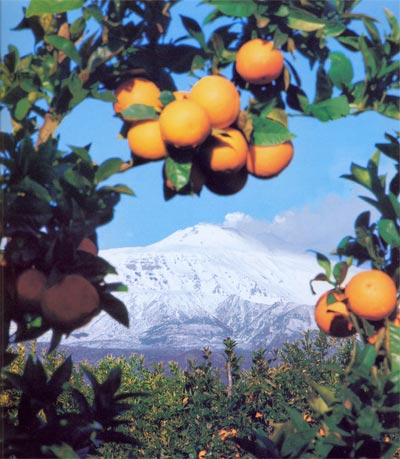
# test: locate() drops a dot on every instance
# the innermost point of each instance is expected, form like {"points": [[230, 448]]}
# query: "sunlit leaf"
{"points": [[303, 20], [331, 109], [341, 70], [64, 45], [389, 232], [238, 8], [38, 7]]}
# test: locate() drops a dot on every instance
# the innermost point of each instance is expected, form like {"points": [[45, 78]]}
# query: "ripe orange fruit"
{"points": [[184, 123], [180, 95], [269, 161], [70, 303], [30, 286], [87, 245], [371, 294], [333, 319], [136, 91], [219, 97], [257, 61], [145, 141], [226, 183], [226, 151]]}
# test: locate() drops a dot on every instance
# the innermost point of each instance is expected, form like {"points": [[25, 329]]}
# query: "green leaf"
{"points": [[121, 189], [115, 308], [269, 132], [29, 186], [361, 175], [299, 19], [331, 109], [77, 28], [392, 150], [238, 8], [324, 262], [370, 58], [194, 30], [166, 97], [341, 70], [105, 96], [326, 393], [137, 112], [394, 340], [83, 153], [22, 108], [389, 232], [365, 359], [178, 173], [340, 271], [107, 169], [63, 451], [38, 7], [64, 45]]}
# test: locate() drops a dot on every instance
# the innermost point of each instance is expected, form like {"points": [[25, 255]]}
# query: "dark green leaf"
{"points": [[93, 11], [62, 374], [107, 169], [340, 271], [331, 109], [77, 28], [390, 149], [370, 58], [115, 308], [341, 70], [83, 153], [238, 8], [38, 7], [137, 112], [64, 45], [389, 232], [269, 132], [324, 86], [194, 30]]}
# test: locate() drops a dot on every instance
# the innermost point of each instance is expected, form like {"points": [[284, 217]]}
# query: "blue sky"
{"points": [[308, 204]]}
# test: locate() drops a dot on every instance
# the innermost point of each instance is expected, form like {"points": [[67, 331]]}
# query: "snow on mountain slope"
{"points": [[202, 284]]}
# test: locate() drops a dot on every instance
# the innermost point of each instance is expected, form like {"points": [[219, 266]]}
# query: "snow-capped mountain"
{"points": [[202, 284]]}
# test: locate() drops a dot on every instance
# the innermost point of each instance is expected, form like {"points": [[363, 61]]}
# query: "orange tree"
{"points": [[53, 201]]}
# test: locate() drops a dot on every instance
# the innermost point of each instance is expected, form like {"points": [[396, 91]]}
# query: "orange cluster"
{"points": [[370, 295], [66, 304], [206, 119]]}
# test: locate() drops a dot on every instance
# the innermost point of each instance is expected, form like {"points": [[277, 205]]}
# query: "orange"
{"points": [[145, 141], [30, 286], [258, 62], [226, 151], [371, 295], [184, 123], [269, 161], [136, 91], [70, 303], [87, 245], [226, 183], [333, 319], [180, 95], [219, 97]]}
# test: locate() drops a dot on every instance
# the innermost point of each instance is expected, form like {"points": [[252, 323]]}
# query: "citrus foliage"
{"points": [[125, 408], [54, 200]]}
